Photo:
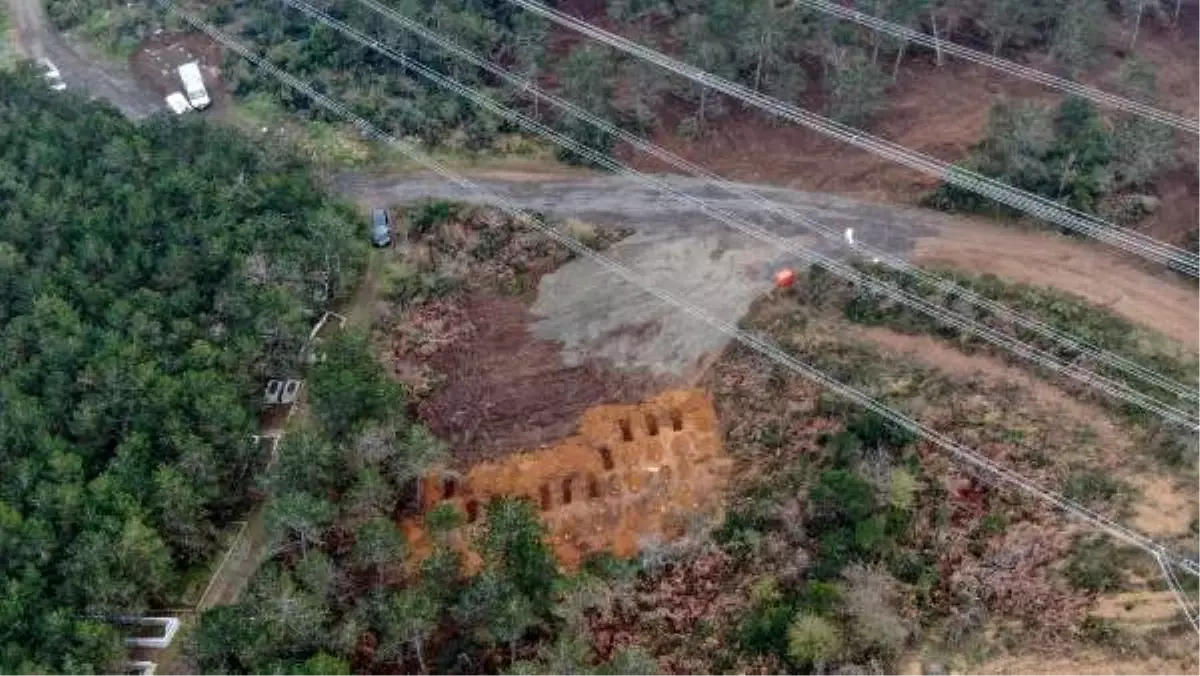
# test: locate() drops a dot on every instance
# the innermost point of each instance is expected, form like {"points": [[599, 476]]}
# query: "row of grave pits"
{"points": [[545, 498]]}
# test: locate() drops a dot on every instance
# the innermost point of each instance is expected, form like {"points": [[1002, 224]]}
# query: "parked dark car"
{"points": [[381, 228]]}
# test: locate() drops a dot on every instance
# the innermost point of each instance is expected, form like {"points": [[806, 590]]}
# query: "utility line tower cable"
{"points": [[1185, 604], [985, 468], [1116, 389], [1053, 81], [1030, 203], [1064, 339]]}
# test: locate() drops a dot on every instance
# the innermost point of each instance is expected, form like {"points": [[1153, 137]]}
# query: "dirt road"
{"points": [[676, 247], [684, 251], [82, 71]]}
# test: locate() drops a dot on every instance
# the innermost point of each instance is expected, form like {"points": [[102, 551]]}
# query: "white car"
{"points": [[178, 103], [50, 72]]}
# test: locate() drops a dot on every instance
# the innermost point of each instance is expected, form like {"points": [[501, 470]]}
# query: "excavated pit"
{"points": [[632, 474]]}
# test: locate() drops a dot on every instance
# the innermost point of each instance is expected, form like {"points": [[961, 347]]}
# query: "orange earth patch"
{"points": [[633, 473]]}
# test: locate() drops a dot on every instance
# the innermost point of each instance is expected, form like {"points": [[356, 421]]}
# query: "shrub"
{"points": [[770, 435], [1091, 485], [1095, 565], [845, 449], [406, 284], [820, 597], [873, 429], [868, 600], [764, 630], [1176, 450], [401, 282], [909, 566], [902, 490], [840, 497], [835, 549], [812, 640], [1108, 633], [425, 216]]}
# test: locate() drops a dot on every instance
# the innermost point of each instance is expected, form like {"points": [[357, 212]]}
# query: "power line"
{"points": [[1181, 598], [1053, 81], [1022, 200], [988, 470], [1116, 389], [1064, 339]]}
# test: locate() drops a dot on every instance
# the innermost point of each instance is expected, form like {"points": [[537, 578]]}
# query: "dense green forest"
{"points": [[152, 276]]}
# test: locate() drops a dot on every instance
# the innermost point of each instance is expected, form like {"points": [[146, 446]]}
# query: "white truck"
{"points": [[193, 85]]}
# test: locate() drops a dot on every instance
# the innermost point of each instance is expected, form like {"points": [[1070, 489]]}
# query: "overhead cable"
{"points": [[1021, 200], [1115, 389], [1064, 339], [985, 468], [1071, 87], [1185, 604]]}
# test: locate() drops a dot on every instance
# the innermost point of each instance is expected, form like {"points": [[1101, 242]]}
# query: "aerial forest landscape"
{"points": [[599, 336]]}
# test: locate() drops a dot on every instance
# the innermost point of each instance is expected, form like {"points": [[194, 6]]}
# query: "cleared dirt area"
{"points": [[1138, 606], [504, 388], [1158, 300], [1081, 660], [680, 247], [924, 113], [81, 67], [633, 473], [939, 355], [1166, 506], [156, 61], [941, 112], [451, 309]]}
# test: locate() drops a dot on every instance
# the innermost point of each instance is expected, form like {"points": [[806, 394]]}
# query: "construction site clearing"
{"points": [[631, 459], [632, 473]]}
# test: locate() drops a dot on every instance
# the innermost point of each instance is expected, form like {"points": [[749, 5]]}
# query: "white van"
{"points": [[193, 85]]}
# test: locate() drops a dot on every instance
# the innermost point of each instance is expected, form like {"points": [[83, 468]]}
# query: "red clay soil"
{"points": [[633, 473], [506, 389], [749, 145]]}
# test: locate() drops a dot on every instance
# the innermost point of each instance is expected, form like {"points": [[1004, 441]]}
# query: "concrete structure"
{"points": [[291, 390], [273, 391], [156, 639]]}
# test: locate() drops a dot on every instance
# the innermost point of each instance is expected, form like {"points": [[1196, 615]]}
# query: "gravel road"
{"points": [[676, 247], [81, 71]]}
